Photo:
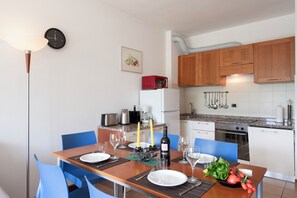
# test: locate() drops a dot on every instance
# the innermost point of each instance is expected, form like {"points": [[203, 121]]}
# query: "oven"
{"points": [[234, 132]]}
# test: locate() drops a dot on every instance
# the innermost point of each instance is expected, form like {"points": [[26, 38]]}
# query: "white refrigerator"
{"points": [[164, 107]]}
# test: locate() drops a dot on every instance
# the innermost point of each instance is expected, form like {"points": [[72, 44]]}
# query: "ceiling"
{"points": [[193, 17]]}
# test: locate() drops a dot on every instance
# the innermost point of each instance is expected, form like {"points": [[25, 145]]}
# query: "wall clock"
{"points": [[56, 38]]}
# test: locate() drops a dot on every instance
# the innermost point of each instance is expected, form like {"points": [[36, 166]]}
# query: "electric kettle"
{"points": [[125, 119]]}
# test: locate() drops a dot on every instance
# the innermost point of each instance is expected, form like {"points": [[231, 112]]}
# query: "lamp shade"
{"points": [[27, 42]]}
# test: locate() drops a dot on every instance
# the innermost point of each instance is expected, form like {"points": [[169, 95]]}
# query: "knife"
{"points": [[107, 163], [192, 187]]}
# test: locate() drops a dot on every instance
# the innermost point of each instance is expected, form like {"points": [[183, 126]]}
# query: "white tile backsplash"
{"points": [[259, 100]]}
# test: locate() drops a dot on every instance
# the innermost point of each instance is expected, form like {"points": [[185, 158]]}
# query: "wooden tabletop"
{"points": [[121, 173]]}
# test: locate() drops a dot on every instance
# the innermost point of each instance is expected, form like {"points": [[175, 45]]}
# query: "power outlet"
{"points": [[233, 105]]}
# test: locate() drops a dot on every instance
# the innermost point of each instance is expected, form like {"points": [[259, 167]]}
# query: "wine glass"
{"points": [[114, 140], [123, 139], [192, 155], [184, 143]]}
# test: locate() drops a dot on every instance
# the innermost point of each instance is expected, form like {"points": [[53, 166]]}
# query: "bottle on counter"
{"points": [[165, 148], [289, 110]]}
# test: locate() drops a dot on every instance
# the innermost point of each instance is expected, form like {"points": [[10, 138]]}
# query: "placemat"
{"points": [[202, 165], [152, 162], [101, 165], [174, 191]]}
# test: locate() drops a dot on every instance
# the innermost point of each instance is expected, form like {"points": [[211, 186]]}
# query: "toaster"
{"points": [[109, 119]]}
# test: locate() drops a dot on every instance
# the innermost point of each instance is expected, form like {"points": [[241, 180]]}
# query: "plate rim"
{"points": [[172, 185], [129, 145], [199, 162], [107, 157]]}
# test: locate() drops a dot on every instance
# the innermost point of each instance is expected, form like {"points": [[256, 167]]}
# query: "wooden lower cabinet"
{"points": [[274, 61]]}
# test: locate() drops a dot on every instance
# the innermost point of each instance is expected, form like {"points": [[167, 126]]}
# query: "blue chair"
{"points": [[73, 173], [173, 140], [53, 183], [95, 193], [226, 150]]}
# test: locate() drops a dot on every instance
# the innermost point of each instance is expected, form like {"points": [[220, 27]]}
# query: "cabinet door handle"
{"points": [[272, 79], [237, 63], [206, 123], [266, 131]]}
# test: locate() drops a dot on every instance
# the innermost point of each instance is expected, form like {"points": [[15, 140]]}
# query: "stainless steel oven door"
{"points": [[240, 138]]}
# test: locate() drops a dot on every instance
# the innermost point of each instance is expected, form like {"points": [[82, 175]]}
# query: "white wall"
{"points": [[251, 99], [71, 87]]}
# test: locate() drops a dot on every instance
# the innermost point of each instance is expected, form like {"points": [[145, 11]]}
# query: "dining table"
{"points": [[125, 171]]}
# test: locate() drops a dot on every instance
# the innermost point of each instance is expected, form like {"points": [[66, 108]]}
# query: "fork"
{"points": [[191, 188], [107, 163], [142, 176]]}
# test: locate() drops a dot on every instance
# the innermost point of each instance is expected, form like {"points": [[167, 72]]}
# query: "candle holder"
{"points": [[145, 154]]}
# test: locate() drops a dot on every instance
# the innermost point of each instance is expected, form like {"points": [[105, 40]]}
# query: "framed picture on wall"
{"points": [[131, 60]]}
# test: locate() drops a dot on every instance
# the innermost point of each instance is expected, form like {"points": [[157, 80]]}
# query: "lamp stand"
{"points": [[28, 60]]}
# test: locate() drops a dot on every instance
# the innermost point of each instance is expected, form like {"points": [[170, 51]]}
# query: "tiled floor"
{"points": [[272, 188]]}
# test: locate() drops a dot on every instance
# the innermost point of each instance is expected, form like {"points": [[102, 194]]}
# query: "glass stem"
{"points": [[114, 151], [193, 167], [184, 152]]}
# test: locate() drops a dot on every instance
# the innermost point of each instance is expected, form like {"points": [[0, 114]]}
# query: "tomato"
{"points": [[249, 185], [233, 171], [249, 190], [243, 185], [238, 179], [241, 175], [254, 189], [249, 181], [232, 179]]}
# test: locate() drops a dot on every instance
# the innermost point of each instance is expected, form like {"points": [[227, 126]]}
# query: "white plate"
{"points": [[247, 172], [205, 158], [167, 178], [142, 145], [94, 157]]}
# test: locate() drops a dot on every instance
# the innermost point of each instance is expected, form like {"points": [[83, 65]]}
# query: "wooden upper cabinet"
{"points": [[274, 60], [187, 70], [209, 69], [237, 60]]}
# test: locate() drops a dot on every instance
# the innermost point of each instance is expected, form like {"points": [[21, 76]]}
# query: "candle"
{"points": [[152, 133], [138, 135]]}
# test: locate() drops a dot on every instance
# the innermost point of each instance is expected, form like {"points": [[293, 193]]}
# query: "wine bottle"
{"points": [[165, 147]]}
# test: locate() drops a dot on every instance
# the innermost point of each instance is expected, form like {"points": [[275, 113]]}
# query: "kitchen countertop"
{"points": [[130, 127], [254, 121]]}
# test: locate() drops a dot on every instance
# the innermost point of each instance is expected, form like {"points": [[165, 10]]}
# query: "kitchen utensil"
{"points": [[191, 188], [209, 106], [289, 110], [226, 103], [215, 106], [142, 176], [110, 162], [109, 119], [125, 119], [205, 100], [222, 100]]}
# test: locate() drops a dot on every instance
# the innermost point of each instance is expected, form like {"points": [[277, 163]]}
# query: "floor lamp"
{"points": [[28, 44]]}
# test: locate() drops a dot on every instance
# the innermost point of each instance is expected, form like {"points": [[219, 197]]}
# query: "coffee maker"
{"points": [[145, 114]]}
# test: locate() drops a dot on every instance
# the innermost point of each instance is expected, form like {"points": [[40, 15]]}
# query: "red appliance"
{"points": [[154, 82]]}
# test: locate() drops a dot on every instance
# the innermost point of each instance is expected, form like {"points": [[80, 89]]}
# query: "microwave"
{"points": [[154, 82]]}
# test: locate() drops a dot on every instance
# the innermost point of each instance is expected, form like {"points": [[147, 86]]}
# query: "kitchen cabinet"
{"points": [[144, 134], [204, 130], [186, 128], [209, 69], [197, 129], [274, 61], [237, 60], [131, 136], [187, 70], [273, 149], [200, 69]]}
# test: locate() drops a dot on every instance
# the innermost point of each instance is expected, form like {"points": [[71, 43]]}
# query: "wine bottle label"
{"points": [[164, 147]]}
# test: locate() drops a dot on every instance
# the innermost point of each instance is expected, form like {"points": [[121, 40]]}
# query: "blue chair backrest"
{"points": [[173, 140], [96, 193], [228, 151], [52, 181], [78, 139]]}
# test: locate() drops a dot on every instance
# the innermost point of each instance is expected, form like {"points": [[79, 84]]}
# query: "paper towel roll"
{"points": [[279, 114]]}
